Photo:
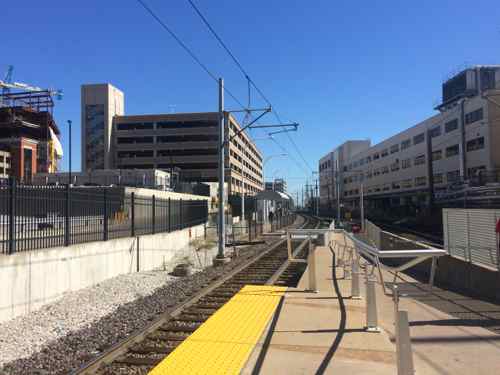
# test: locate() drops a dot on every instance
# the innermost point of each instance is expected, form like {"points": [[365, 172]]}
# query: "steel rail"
{"points": [[123, 346]]}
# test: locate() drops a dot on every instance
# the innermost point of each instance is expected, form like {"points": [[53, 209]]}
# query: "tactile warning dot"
{"points": [[224, 342]]}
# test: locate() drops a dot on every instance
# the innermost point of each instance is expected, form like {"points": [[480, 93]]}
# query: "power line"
{"points": [[199, 62], [186, 48], [247, 76]]}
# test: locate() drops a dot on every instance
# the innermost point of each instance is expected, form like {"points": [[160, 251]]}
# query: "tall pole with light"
{"points": [[69, 154]]}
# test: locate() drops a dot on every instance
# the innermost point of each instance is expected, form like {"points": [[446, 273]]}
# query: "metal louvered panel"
{"points": [[470, 235], [482, 237]]}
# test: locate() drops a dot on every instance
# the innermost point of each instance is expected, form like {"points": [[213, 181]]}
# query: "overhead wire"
{"points": [[247, 76], [187, 49]]}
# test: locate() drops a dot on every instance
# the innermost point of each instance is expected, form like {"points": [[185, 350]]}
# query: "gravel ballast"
{"points": [[62, 336]]}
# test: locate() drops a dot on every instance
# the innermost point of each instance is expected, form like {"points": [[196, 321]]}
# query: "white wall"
{"points": [[31, 279]]}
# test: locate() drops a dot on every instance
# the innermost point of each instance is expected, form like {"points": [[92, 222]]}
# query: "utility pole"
{"points": [[338, 189], [317, 199], [430, 169], [69, 139], [220, 258]]}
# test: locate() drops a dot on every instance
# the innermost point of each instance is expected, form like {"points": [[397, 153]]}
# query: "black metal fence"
{"points": [[37, 217]]}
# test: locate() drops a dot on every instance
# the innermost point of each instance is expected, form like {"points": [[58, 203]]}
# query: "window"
{"points": [[451, 125], [376, 156], [475, 144], [405, 184], [438, 178], [395, 166], [368, 159], [386, 187], [405, 144], [418, 138], [406, 163], [452, 151], [437, 155], [475, 171], [376, 171], [384, 153], [132, 140], [435, 132], [453, 176], [420, 181], [385, 169], [474, 116], [419, 160], [396, 185], [394, 148]]}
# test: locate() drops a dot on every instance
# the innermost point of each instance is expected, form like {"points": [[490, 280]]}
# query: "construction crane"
{"points": [[6, 84]]}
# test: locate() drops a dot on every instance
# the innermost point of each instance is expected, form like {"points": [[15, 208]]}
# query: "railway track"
{"points": [[434, 241], [145, 349]]}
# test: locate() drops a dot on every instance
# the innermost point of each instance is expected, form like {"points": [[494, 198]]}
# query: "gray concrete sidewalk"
{"points": [[320, 333]]}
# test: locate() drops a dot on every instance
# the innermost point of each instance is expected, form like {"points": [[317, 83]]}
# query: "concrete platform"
{"points": [[318, 333]]}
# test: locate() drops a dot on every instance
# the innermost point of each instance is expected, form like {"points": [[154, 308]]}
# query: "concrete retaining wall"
{"points": [[31, 279]]}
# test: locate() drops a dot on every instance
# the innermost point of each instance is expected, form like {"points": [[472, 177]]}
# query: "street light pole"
{"points": [[69, 139]]}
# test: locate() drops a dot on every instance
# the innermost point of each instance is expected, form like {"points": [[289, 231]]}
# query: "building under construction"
{"points": [[29, 136]]}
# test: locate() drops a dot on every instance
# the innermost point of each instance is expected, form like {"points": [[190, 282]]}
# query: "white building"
{"points": [[100, 104], [461, 140]]}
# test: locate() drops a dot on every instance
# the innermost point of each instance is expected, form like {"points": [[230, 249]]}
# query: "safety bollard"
{"points": [[311, 263], [403, 345], [355, 294], [371, 304]]}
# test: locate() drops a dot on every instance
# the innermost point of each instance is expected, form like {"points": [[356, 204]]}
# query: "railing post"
{"points": [[181, 223], [355, 294], [169, 216], [289, 244], [403, 344], [132, 214], [105, 214], [67, 227], [153, 214], [371, 304], [12, 215], [311, 263], [250, 229]]}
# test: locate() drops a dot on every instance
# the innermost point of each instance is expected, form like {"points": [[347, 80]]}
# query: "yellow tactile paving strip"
{"points": [[223, 343]]}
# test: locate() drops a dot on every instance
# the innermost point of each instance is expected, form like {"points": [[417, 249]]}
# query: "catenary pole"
{"points": [[222, 146]]}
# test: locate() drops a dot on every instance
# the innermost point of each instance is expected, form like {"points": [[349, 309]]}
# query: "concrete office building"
{"points": [[460, 140], [100, 103], [187, 142], [331, 170]]}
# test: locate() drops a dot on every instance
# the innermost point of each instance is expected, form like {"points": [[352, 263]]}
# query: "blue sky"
{"points": [[342, 69]]}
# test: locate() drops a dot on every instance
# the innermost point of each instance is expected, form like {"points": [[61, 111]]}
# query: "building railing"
{"points": [[37, 217]]}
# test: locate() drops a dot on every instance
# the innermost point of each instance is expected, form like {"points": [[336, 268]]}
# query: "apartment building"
{"points": [[454, 145], [331, 171], [279, 184], [183, 142], [100, 103]]}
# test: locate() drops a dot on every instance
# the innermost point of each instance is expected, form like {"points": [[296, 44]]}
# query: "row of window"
{"points": [[472, 145], [449, 126], [438, 179], [165, 125], [247, 144]]}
